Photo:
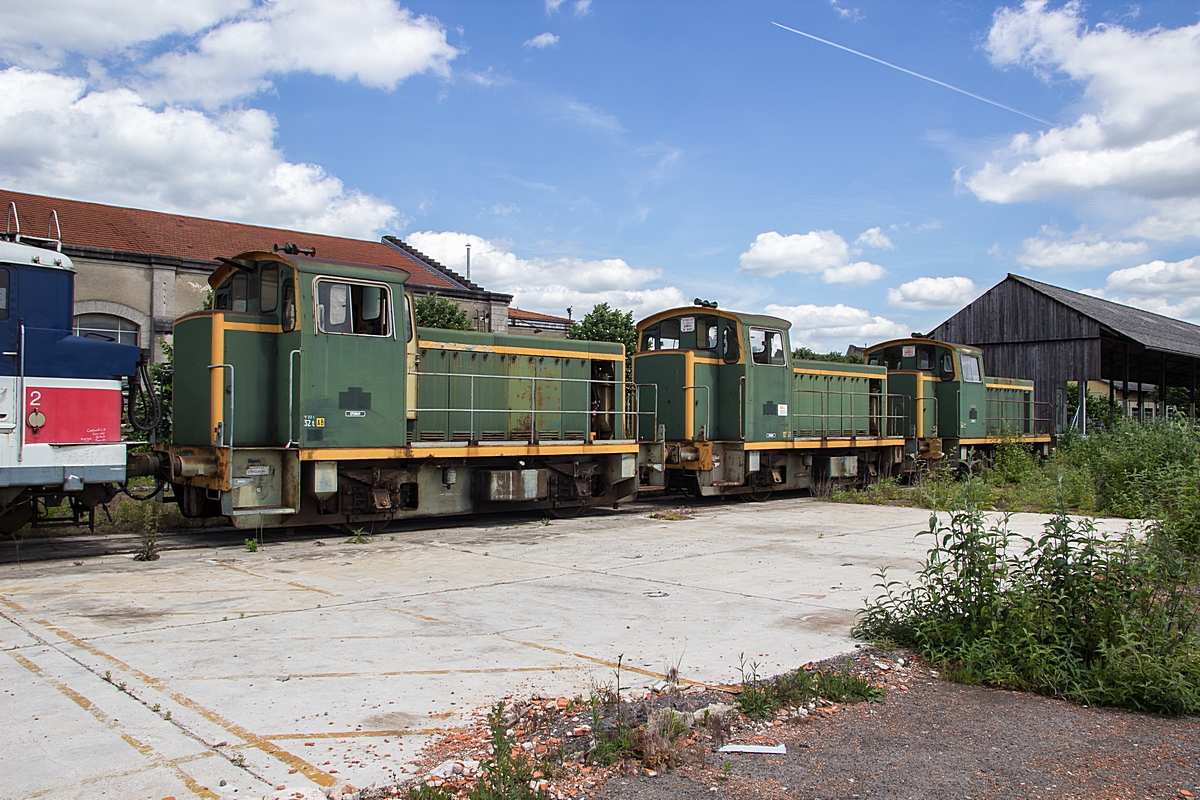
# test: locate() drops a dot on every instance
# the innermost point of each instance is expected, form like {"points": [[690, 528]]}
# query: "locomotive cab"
{"points": [[739, 417], [947, 402]]}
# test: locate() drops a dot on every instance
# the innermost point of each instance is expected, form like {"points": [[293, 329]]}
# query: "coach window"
{"points": [[970, 369], [354, 308], [766, 347], [3, 294]]}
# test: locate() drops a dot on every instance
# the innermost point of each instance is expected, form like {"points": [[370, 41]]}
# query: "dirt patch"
{"points": [[933, 738], [927, 738]]}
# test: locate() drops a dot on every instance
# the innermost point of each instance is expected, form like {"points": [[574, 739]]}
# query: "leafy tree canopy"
{"points": [[438, 312], [606, 324], [807, 354]]}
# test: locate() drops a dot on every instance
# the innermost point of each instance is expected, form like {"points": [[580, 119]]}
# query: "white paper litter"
{"points": [[754, 748]]}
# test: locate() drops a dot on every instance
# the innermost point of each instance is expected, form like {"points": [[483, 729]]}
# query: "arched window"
{"points": [[106, 327]]}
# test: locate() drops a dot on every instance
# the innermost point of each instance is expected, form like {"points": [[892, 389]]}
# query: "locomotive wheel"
{"points": [[565, 512], [759, 496]]}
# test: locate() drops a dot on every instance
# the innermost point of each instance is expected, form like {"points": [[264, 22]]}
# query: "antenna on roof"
{"points": [[468, 262]]}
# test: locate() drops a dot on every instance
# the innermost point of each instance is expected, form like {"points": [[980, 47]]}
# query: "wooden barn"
{"points": [[1030, 329]]}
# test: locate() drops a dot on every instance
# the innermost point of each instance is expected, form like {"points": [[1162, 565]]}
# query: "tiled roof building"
{"points": [[138, 270]]}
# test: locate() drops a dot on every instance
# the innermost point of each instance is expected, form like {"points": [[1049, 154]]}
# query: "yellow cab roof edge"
{"points": [[920, 340]]}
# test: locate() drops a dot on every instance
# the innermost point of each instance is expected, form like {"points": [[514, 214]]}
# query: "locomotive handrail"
{"points": [[21, 373], [637, 421], [883, 418], [221, 427], [470, 410], [292, 396], [708, 408]]}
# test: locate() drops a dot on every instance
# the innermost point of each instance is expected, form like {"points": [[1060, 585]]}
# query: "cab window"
{"points": [[970, 369], [269, 288], [289, 304], [731, 353], [353, 308], [766, 347], [924, 359], [668, 334], [650, 339], [237, 292], [706, 333]]}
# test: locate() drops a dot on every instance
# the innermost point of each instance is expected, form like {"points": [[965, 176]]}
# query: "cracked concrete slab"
{"points": [[301, 664]]}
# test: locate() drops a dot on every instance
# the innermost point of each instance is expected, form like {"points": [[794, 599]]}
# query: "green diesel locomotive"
{"points": [[740, 416], [308, 396]]}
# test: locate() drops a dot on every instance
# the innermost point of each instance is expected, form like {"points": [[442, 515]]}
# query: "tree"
{"points": [[438, 312], [808, 354], [606, 324]]}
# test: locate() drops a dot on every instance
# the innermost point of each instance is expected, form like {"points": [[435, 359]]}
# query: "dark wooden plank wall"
{"points": [[1012, 312], [1025, 334]]}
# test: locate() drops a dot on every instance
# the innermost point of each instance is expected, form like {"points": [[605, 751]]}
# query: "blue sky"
{"points": [[643, 154]]}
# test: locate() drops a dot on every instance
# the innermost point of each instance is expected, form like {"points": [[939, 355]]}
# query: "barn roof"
{"points": [[119, 230], [1153, 331]]}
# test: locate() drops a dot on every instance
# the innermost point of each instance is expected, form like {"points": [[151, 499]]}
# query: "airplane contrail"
{"points": [[915, 74]]}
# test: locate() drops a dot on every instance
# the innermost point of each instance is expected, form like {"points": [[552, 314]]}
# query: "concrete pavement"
{"points": [[304, 663]]}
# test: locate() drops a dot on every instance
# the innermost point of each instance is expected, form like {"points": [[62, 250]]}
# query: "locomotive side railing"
{"points": [[877, 420], [1017, 417], [542, 390]]}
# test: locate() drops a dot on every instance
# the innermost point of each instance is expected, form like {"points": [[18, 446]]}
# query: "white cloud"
{"points": [[375, 42], [552, 5], [550, 285], [1141, 134], [41, 34], [1082, 249], [57, 138], [858, 273], [1158, 279], [875, 237], [924, 294], [772, 254], [542, 40], [845, 13], [1169, 288], [826, 328], [583, 7]]}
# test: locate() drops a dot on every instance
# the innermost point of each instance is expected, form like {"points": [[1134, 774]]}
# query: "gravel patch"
{"points": [[940, 739]]}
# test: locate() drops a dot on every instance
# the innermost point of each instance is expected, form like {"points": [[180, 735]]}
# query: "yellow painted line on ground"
{"points": [[601, 661], [155, 757], [313, 773], [388, 674], [269, 578]]}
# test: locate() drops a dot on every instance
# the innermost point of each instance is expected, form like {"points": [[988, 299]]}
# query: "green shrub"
{"points": [[1069, 614]]}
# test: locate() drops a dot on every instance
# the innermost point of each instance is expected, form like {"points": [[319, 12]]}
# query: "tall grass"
{"points": [[1069, 614]]}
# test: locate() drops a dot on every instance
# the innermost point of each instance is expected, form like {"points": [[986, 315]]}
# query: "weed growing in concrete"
{"points": [[545, 522], [155, 708], [108, 676], [1072, 614], [147, 514], [167, 714], [841, 686], [760, 697], [508, 771], [251, 545], [726, 770], [359, 537], [673, 515]]}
